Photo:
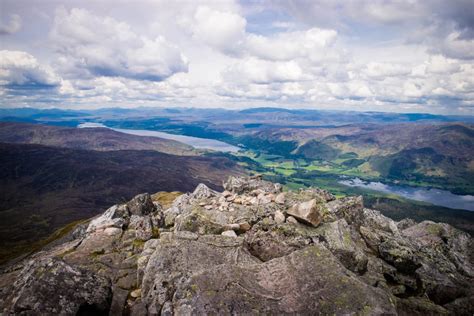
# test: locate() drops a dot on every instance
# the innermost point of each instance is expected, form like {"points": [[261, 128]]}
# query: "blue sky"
{"points": [[400, 56]]}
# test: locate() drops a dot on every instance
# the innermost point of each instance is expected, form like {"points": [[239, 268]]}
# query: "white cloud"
{"points": [[254, 70], [11, 26], [20, 70], [221, 30], [103, 46], [440, 65], [378, 70], [290, 45]]}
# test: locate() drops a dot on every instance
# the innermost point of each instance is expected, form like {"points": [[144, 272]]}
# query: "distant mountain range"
{"points": [[265, 115]]}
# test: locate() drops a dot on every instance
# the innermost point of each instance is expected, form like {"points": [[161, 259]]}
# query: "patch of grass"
{"points": [[165, 198]]}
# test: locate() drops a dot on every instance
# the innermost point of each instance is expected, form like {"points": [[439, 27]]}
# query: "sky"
{"points": [[377, 55]]}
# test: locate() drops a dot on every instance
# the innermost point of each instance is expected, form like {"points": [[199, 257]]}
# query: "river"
{"points": [[196, 142], [433, 196]]}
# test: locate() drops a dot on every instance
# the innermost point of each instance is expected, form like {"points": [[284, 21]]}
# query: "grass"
{"points": [[165, 198], [10, 253]]}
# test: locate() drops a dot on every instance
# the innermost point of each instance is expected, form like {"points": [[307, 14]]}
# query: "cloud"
{"points": [[102, 46], [290, 45], [378, 70], [404, 55], [20, 70], [11, 26], [254, 70], [438, 64], [222, 30], [455, 46]]}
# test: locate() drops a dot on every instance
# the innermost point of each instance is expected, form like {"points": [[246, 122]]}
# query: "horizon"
{"points": [[164, 107], [363, 56]]}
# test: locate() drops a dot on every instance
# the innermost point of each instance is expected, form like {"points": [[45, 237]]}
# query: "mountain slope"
{"points": [[250, 250], [102, 139], [44, 188]]}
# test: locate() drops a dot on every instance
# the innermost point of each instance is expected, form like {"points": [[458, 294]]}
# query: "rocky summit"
{"points": [[252, 249]]}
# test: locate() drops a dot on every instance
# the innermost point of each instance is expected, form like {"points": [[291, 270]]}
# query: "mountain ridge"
{"points": [[248, 250]]}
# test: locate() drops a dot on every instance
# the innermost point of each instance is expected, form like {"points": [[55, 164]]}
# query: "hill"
{"points": [[437, 155], [249, 250], [45, 188], [101, 139]]}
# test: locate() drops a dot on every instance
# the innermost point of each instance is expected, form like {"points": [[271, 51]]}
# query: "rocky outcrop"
{"points": [[251, 249]]}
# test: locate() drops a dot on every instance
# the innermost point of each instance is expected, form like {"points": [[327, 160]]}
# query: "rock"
{"points": [[337, 238], [307, 212], [138, 308], [243, 227], [136, 259], [229, 233], [241, 185], [136, 293], [119, 300], [171, 262], [141, 204], [51, 286], [264, 199], [401, 255], [143, 227], [113, 231], [203, 191], [267, 245], [405, 223], [234, 227], [255, 289], [350, 208], [226, 194], [116, 216], [280, 198], [169, 219], [279, 217]]}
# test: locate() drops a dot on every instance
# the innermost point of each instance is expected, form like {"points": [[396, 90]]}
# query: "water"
{"points": [[196, 142], [433, 196]]}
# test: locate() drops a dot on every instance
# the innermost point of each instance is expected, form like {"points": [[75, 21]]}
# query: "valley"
{"points": [[291, 147], [45, 188]]}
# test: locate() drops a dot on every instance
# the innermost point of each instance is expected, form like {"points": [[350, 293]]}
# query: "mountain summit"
{"points": [[251, 249]]}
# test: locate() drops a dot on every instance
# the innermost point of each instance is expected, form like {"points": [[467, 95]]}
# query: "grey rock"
{"points": [[280, 198], [229, 233], [309, 212], [143, 227], [203, 191], [49, 286], [279, 217], [276, 287], [141, 204]]}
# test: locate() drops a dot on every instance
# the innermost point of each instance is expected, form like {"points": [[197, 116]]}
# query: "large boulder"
{"points": [[310, 212], [305, 281], [141, 204]]}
